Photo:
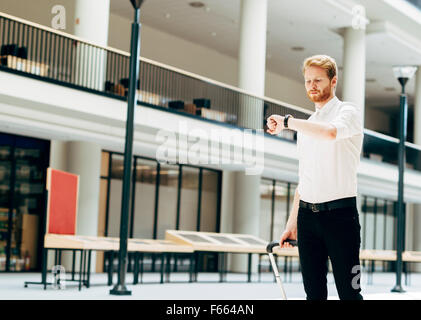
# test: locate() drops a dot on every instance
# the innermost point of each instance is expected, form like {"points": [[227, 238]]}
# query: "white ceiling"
{"points": [[311, 24]]}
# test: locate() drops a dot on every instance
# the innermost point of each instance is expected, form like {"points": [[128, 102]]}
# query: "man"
{"points": [[324, 217]]}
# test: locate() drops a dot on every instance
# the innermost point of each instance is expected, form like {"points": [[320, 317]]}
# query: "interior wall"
{"points": [[378, 120], [40, 11]]}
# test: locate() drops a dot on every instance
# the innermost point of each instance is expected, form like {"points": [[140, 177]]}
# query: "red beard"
{"points": [[320, 97]]}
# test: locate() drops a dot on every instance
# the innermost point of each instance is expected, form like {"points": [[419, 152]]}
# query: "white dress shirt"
{"points": [[328, 168]]}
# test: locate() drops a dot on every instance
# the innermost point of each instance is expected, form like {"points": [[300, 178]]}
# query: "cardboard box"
{"points": [[190, 108]]}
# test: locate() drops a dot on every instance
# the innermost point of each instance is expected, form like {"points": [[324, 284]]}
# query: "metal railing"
{"points": [[51, 55]]}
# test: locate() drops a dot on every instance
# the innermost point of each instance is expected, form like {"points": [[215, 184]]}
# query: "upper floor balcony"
{"points": [[44, 54]]}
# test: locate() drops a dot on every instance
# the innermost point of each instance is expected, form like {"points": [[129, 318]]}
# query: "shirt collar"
{"points": [[327, 106]]}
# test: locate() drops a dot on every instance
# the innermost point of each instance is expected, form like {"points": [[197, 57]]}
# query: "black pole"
{"points": [[401, 209], [120, 287]]}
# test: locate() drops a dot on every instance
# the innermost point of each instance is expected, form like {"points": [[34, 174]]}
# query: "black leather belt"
{"points": [[330, 205]]}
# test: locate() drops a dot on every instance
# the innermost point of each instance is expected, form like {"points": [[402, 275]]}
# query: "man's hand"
{"points": [[275, 124], [289, 233]]}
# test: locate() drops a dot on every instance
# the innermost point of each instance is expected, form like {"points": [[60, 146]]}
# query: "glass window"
{"points": [[379, 225], [390, 226], [23, 163], [368, 223], [167, 203], [144, 211], [209, 201], [266, 188], [189, 198], [105, 158], [5, 170], [281, 206], [116, 189], [103, 184]]}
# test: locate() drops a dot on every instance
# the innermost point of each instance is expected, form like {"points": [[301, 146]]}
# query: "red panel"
{"points": [[63, 194]]}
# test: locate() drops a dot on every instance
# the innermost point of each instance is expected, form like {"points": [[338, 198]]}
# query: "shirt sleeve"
{"points": [[348, 122]]}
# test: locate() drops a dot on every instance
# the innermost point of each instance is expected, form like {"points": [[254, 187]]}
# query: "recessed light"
{"points": [[196, 4], [207, 9], [297, 49], [213, 34], [167, 15]]}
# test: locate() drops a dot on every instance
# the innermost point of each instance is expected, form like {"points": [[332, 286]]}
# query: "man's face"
{"points": [[318, 86]]}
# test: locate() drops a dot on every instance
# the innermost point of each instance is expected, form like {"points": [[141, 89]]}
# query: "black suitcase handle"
{"points": [[273, 244]]}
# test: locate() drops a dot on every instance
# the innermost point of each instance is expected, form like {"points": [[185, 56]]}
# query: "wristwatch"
{"points": [[286, 120]]}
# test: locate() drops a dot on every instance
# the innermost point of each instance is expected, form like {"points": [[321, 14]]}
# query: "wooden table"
{"points": [[86, 244], [223, 243]]}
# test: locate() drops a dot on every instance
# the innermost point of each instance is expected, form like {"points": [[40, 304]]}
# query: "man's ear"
{"points": [[334, 82]]}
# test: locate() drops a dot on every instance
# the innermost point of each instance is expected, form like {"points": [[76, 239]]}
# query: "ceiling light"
{"points": [[297, 49], [406, 72], [213, 34], [196, 4], [167, 15]]}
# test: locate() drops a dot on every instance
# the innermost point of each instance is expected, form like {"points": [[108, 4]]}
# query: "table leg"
{"points": [[162, 267], [81, 269], [73, 264], [89, 269], [249, 268], [136, 268]]}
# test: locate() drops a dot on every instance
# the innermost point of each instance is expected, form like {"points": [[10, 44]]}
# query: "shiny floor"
{"points": [[208, 287]]}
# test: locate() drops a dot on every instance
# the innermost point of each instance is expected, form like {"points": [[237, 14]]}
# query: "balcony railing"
{"points": [[46, 54]]}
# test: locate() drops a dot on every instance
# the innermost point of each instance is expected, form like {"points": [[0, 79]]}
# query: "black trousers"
{"points": [[333, 234]]}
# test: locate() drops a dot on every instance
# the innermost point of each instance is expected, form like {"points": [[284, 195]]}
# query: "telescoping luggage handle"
{"points": [[273, 244], [269, 250]]}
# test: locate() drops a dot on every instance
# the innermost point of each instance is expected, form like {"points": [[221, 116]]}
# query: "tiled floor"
{"points": [[207, 288]]}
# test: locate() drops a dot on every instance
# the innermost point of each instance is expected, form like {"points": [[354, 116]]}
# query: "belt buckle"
{"points": [[313, 208]]}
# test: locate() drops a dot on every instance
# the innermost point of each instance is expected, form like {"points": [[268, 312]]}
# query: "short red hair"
{"points": [[322, 61]]}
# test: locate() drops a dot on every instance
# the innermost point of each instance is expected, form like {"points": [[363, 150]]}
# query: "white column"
{"points": [[252, 59], [84, 159], [91, 20], [417, 140], [251, 75], [91, 23], [354, 61]]}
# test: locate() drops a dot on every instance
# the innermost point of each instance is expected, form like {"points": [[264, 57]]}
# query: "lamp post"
{"points": [[120, 287], [403, 74]]}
